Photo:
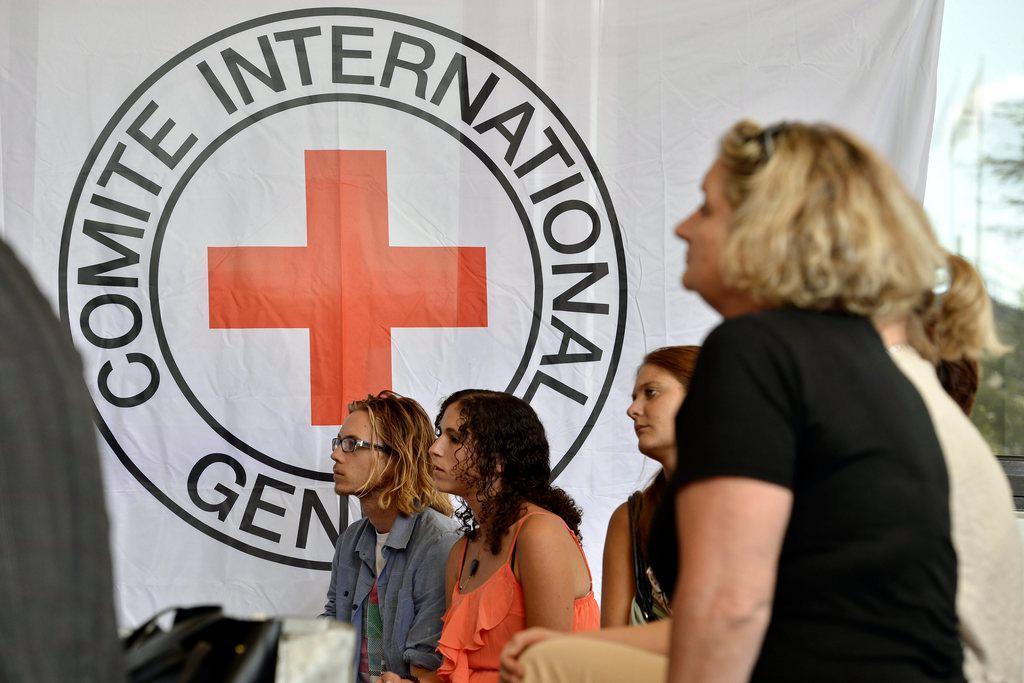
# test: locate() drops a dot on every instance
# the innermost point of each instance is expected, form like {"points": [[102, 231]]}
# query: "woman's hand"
{"points": [[511, 669]]}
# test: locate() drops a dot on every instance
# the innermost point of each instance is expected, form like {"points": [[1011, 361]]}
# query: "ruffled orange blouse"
{"points": [[479, 623]]}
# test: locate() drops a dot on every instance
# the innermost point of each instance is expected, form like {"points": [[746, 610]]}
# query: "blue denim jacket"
{"points": [[412, 599]]}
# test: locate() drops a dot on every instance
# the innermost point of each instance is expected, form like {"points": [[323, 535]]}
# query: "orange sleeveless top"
{"points": [[479, 623]]}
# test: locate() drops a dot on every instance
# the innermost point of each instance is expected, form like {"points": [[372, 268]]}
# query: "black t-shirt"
{"points": [[867, 574]]}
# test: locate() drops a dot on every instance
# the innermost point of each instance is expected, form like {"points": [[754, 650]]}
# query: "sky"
{"points": [[981, 53]]}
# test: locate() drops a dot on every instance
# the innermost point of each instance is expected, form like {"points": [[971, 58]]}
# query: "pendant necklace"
{"points": [[474, 565]]}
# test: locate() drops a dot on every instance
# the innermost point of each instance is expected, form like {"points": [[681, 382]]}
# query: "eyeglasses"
{"points": [[349, 444]]}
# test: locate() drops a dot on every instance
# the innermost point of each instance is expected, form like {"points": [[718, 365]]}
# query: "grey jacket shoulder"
{"points": [[431, 526], [351, 532], [436, 525]]}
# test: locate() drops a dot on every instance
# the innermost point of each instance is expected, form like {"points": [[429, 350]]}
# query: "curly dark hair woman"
{"points": [[507, 463], [521, 534]]}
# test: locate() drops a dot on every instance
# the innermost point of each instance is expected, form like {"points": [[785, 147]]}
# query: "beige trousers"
{"points": [[582, 660]]}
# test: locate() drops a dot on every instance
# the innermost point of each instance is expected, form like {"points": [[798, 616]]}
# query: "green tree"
{"points": [[999, 412], [1009, 170]]}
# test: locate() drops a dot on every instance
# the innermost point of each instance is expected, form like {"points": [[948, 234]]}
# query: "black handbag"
{"points": [[202, 646]]}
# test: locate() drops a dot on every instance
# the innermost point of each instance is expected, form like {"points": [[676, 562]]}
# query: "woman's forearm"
{"points": [[716, 641], [653, 637], [730, 537]]}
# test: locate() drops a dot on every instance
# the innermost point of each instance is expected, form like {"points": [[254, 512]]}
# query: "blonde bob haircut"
{"points": [[401, 475], [821, 222]]}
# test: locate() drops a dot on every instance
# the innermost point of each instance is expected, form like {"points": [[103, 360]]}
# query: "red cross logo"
{"points": [[347, 286]]}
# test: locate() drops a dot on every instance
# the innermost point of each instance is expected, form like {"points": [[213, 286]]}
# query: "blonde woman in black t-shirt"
{"points": [[813, 500], [813, 537]]}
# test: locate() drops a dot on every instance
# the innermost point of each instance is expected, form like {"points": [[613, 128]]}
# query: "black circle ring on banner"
{"points": [[142, 88]]}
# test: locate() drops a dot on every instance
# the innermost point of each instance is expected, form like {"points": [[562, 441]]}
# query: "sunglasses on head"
{"points": [[766, 138]]}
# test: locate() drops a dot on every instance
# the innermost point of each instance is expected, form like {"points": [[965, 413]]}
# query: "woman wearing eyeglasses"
{"points": [[387, 578], [520, 562]]}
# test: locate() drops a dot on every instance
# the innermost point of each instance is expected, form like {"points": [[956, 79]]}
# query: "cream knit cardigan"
{"points": [[990, 556]]}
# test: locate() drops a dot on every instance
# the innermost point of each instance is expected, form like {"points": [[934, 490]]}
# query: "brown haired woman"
{"points": [[387, 578], [520, 562], [627, 596]]}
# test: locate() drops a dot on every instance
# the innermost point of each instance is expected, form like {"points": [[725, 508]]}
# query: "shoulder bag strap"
{"points": [[642, 587]]}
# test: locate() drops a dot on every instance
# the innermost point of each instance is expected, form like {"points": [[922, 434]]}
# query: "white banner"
{"points": [[248, 214]]}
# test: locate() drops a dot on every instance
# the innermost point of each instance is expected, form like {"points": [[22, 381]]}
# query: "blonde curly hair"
{"points": [[401, 477], [821, 222]]}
